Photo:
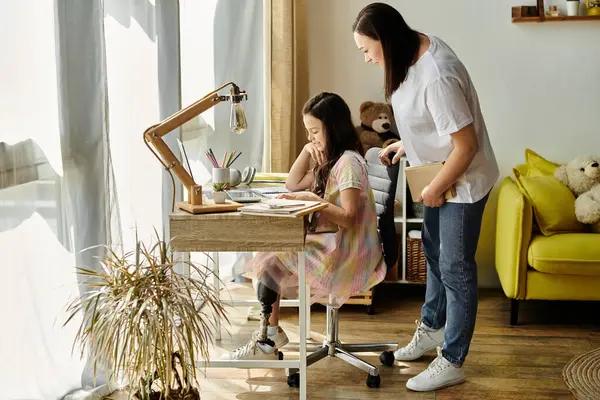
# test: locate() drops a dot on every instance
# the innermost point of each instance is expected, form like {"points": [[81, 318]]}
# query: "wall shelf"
{"points": [[542, 17], [556, 19]]}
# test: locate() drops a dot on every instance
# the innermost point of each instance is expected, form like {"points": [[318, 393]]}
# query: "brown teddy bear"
{"points": [[377, 127]]}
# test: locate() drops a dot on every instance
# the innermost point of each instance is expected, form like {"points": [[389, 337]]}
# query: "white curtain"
{"points": [[81, 82], [222, 41], [51, 196]]}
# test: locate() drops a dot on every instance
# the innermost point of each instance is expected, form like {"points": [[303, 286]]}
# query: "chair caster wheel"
{"points": [[373, 381], [294, 380], [387, 358], [280, 356]]}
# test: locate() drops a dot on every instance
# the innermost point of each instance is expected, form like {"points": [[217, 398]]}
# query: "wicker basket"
{"points": [[416, 263]]}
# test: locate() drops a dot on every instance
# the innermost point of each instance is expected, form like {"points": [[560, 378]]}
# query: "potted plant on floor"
{"points": [[146, 324], [219, 195]]}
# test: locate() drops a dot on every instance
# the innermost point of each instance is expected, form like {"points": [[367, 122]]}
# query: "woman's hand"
{"points": [[384, 155], [315, 153], [430, 198], [303, 196]]}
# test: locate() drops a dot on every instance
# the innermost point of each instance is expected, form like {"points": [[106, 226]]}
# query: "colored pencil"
{"points": [[232, 161], [229, 159]]}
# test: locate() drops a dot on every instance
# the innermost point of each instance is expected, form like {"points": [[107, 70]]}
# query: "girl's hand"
{"points": [[315, 153], [384, 155], [303, 196], [430, 198]]}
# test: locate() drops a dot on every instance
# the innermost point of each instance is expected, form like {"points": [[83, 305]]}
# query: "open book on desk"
{"points": [[283, 208], [420, 176]]}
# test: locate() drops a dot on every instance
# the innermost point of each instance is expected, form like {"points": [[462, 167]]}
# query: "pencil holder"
{"points": [[220, 175]]}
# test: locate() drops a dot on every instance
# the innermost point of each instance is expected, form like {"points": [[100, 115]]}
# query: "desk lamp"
{"points": [[153, 137]]}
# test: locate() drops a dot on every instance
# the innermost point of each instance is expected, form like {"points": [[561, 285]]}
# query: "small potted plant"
{"points": [[149, 326], [219, 195]]}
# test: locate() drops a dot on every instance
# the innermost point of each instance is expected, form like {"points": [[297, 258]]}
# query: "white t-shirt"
{"points": [[438, 99]]}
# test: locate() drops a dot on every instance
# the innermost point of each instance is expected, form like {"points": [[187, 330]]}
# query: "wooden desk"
{"points": [[233, 231]]}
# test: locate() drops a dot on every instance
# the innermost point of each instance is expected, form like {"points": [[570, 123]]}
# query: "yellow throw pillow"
{"points": [[538, 165], [553, 203]]}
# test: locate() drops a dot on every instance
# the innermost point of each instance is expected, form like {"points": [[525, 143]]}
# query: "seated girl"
{"points": [[343, 250]]}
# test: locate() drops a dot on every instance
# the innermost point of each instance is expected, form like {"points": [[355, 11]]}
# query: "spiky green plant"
{"points": [[220, 187], [145, 323]]}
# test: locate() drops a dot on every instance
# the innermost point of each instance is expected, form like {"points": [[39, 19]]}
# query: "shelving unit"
{"points": [[542, 17], [403, 223], [556, 19]]}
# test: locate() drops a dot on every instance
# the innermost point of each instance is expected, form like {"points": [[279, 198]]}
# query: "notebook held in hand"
{"points": [[418, 177]]}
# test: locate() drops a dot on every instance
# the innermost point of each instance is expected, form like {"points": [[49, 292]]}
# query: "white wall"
{"points": [[539, 84]]}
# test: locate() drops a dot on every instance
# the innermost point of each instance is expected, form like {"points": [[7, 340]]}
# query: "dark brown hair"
{"points": [[339, 130], [400, 43]]}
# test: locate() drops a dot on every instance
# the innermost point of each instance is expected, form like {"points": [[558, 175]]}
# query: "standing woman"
{"points": [[439, 119]]}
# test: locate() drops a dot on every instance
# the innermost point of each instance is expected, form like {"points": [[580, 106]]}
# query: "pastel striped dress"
{"points": [[341, 262]]}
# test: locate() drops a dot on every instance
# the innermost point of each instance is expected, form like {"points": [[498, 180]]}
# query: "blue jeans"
{"points": [[450, 237]]}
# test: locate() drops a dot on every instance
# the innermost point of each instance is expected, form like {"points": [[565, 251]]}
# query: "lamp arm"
{"points": [[153, 135]]}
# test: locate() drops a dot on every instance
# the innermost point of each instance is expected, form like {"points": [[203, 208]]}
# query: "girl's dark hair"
{"points": [[339, 130], [400, 43]]}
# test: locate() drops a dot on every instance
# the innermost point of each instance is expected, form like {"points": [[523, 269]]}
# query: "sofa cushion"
{"points": [[565, 253], [537, 165], [553, 203]]}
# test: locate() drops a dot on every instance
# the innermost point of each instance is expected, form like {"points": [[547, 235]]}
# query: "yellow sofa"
{"points": [[533, 265]]}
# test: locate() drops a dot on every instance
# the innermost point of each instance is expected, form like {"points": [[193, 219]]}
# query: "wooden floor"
{"points": [[523, 362]]}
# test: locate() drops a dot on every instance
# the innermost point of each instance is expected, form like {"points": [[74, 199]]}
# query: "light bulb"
{"points": [[237, 119]]}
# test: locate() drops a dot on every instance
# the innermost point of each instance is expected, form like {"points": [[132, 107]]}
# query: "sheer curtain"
{"points": [[82, 82], [52, 109], [222, 41]]}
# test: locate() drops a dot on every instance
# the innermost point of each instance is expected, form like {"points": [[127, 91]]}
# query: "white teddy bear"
{"points": [[582, 176]]}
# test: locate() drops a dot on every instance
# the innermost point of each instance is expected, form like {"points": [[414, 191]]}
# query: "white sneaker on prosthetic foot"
{"points": [[252, 350], [440, 373], [280, 338], [423, 340]]}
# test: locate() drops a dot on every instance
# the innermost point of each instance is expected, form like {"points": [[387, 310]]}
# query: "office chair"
{"points": [[383, 180]]}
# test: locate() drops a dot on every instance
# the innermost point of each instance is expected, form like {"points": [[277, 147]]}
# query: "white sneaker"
{"points": [[252, 351], [423, 340], [280, 338], [439, 374]]}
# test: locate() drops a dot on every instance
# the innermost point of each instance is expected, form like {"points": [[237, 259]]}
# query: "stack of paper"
{"points": [[279, 207]]}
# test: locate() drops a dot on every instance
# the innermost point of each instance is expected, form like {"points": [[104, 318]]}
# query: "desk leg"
{"points": [[303, 326], [217, 285], [308, 337]]}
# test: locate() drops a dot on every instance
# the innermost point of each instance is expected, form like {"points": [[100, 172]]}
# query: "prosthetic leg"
{"points": [[260, 347], [267, 298]]}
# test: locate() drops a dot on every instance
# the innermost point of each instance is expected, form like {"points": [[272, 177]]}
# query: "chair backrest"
{"points": [[383, 180]]}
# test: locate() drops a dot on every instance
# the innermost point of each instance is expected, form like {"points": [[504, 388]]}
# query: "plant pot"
{"points": [[572, 8], [219, 197]]}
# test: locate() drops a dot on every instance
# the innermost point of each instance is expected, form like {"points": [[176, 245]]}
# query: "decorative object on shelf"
{"points": [[593, 7], [142, 324], [153, 138], [553, 11], [219, 195], [524, 11], [573, 8]]}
